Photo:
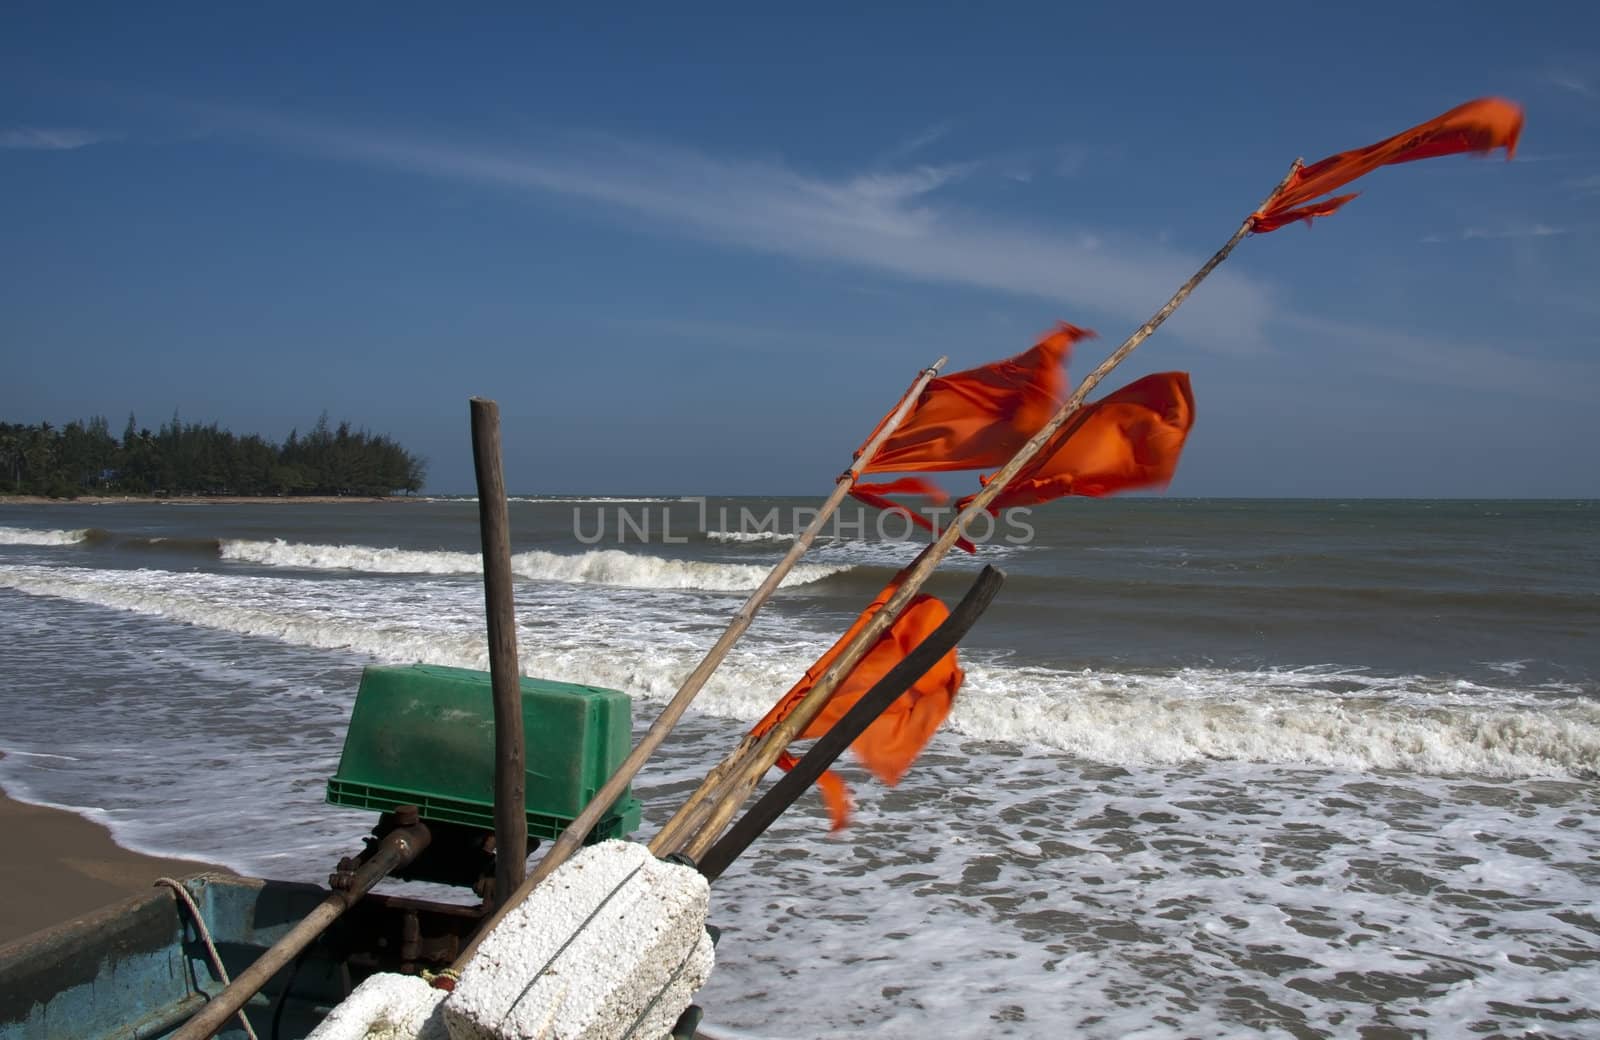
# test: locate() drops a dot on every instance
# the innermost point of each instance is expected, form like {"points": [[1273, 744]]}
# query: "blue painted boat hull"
{"points": [[138, 969]]}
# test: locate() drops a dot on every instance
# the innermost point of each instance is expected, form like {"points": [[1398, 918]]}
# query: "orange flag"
{"points": [[894, 740], [1130, 439], [1478, 126], [978, 418], [973, 419]]}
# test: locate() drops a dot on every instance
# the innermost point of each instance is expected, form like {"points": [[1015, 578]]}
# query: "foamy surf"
{"points": [[1328, 718], [597, 567], [31, 536], [1249, 846], [783, 537]]}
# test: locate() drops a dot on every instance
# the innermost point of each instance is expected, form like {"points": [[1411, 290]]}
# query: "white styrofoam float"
{"points": [[612, 946], [386, 1007]]}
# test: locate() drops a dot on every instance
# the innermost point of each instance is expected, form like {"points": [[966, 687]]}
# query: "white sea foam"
{"points": [[1018, 895], [560, 499], [896, 553], [1006, 887], [1323, 717], [601, 499], [751, 536], [598, 567], [31, 536]]}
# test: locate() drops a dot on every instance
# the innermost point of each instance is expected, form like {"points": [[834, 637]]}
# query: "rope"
{"points": [[570, 940], [663, 991], [205, 937]]}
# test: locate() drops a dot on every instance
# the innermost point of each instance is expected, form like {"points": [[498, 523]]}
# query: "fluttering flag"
{"points": [[895, 738], [974, 419], [1478, 126], [877, 496], [1128, 440], [977, 419]]}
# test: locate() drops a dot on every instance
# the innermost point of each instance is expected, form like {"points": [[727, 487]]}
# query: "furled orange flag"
{"points": [[895, 738], [1478, 126], [1130, 439]]}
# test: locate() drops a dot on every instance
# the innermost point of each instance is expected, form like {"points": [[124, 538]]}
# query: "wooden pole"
{"points": [[572, 837], [510, 769], [843, 733], [755, 756], [672, 835], [398, 848]]}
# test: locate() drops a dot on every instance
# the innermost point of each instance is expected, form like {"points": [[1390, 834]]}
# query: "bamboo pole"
{"points": [[572, 837], [755, 756], [510, 751], [843, 733], [398, 848]]}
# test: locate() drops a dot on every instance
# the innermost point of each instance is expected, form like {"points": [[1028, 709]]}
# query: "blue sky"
{"points": [[703, 250]]}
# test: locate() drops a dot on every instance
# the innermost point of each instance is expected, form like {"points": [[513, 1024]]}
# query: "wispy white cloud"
{"points": [[893, 221], [1574, 83], [1535, 230], [915, 143], [901, 222], [61, 139], [1433, 361], [1589, 185]]}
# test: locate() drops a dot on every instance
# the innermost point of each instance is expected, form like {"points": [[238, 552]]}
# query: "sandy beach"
{"points": [[58, 865]]}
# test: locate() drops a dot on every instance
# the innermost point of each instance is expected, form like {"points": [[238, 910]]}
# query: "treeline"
{"points": [[194, 459]]}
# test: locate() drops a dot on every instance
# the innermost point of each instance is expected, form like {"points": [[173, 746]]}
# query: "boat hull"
{"points": [[138, 969]]}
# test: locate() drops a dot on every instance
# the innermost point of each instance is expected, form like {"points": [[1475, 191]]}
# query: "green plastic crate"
{"points": [[424, 735]]}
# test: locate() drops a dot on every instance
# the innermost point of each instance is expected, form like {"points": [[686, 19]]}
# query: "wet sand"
{"points": [[58, 865]]}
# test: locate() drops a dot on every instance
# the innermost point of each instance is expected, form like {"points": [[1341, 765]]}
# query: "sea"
{"points": [[1220, 768]]}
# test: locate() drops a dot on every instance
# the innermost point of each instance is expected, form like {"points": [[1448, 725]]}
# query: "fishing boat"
{"points": [[141, 968], [419, 751]]}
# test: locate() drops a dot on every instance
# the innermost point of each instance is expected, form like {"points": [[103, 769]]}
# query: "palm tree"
{"points": [[11, 454]]}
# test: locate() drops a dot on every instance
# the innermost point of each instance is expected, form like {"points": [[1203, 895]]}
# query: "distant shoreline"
{"points": [[207, 500]]}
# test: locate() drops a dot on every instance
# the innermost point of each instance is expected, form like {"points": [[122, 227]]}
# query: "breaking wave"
{"points": [[31, 536], [1333, 718], [751, 536], [1326, 717], [597, 567]]}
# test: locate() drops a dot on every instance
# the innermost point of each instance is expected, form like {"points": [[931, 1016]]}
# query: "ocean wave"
{"points": [[563, 499], [597, 567], [32, 536], [1346, 720], [751, 536], [597, 499], [1333, 718]]}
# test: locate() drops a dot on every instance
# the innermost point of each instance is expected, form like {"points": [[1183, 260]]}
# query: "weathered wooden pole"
{"points": [[510, 767], [843, 733]]}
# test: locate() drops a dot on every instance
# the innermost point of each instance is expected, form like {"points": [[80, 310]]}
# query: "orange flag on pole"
{"points": [[1478, 126], [894, 739], [974, 419], [1130, 439], [977, 419]]}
